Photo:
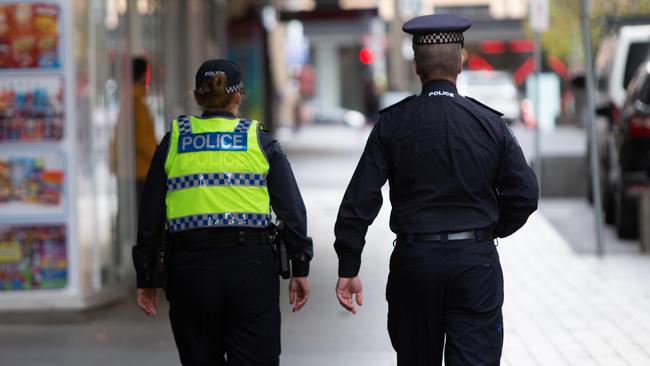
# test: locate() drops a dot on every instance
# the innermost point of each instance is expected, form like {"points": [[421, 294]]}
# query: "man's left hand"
{"points": [[346, 289]]}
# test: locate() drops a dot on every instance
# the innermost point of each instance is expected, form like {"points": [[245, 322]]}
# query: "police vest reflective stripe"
{"points": [[216, 173], [216, 179], [218, 219]]}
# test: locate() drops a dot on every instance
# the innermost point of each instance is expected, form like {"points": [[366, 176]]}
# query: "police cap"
{"points": [[437, 29], [210, 68]]}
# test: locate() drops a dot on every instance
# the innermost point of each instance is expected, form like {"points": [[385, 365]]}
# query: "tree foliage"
{"points": [[563, 39]]}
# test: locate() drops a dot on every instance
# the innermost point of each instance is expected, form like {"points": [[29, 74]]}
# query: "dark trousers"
{"points": [[445, 297], [224, 306]]}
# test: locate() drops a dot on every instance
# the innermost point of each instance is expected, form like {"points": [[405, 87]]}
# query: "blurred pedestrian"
{"points": [[212, 182], [458, 179], [371, 101], [145, 136]]}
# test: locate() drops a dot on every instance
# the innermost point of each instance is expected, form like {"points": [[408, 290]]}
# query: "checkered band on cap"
{"points": [[222, 219], [438, 38], [216, 179], [229, 88], [234, 88]]}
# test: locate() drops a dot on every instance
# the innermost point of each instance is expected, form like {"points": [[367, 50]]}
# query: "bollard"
{"points": [[644, 220]]}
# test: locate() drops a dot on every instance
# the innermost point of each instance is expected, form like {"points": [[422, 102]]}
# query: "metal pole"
{"points": [[538, 108], [397, 68], [589, 110]]}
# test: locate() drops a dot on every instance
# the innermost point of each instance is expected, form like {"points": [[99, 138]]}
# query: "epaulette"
{"points": [[396, 104], [262, 127], [484, 106]]}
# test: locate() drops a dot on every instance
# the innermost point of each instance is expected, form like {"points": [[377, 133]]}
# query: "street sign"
{"points": [[538, 15]]}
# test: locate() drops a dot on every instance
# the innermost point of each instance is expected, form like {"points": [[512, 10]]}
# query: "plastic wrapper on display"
{"points": [[33, 257], [31, 108], [27, 180], [29, 35]]}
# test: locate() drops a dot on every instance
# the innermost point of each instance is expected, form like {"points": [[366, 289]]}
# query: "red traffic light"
{"points": [[366, 56]]}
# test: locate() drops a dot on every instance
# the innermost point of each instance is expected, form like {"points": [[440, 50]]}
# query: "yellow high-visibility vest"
{"points": [[216, 174]]}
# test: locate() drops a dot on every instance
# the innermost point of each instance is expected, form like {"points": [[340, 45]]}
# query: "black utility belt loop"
{"points": [[234, 238], [216, 244], [477, 235]]}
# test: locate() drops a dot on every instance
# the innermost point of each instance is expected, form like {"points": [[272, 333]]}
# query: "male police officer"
{"points": [[458, 179]]}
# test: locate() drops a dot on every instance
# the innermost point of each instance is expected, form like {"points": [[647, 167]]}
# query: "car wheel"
{"points": [[627, 219]]}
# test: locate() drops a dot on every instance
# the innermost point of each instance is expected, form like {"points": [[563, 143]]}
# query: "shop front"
{"points": [[67, 184], [63, 177]]}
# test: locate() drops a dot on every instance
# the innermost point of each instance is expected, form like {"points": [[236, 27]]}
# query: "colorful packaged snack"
{"points": [[10, 252], [5, 53], [51, 187], [21, 51], [45, 18], [46, 51], [5, 181], [4, 20], [22, 170], [23, 17]]}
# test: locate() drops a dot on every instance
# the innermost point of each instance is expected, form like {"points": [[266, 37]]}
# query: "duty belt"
{"points": [[211, 238], [479, 235]]}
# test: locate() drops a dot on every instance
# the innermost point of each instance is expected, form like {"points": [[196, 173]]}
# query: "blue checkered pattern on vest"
{"points": [[243, 125], [218, 220], [184, 125], [216, 179]]}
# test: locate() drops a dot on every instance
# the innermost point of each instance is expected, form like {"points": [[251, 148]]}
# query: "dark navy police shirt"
{"points": [[285, 198], [452, 165]]}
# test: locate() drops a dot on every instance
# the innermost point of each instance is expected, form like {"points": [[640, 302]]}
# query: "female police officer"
{"points": [[212, 182]]}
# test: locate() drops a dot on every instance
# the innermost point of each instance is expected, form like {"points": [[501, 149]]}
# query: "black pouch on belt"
{"points": [[161, 265], [276, 233]]}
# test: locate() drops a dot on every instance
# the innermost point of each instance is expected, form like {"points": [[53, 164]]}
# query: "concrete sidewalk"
{"points": [[565, 309]]}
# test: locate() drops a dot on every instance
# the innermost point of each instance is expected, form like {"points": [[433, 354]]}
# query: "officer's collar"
{"points": [[438, 85], [208, 114]]}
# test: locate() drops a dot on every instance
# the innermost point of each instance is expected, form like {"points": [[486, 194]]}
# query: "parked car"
{"points": [[318, 113], [619, 55], [630, 158], [496, 89]]}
